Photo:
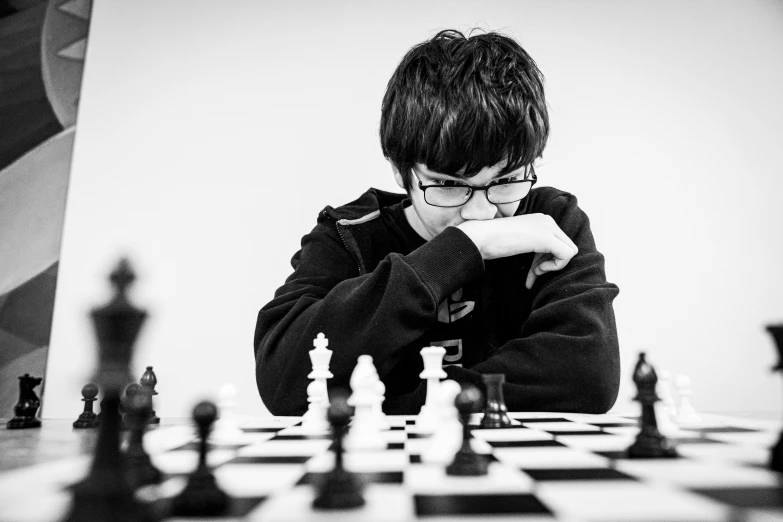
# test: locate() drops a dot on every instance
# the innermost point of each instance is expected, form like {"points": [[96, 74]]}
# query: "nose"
{"points": [[478, 207]]}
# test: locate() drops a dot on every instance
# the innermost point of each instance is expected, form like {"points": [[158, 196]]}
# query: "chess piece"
{"points": [[495, 411], [776, 454], [88, 418], [227, 430], [27, 407], [665, 392], [106, 493], [314, 419], [132, 394], [320, 357], [139, 467], [686, 414], [426, 420], [447, 437], [366, 430], [339, 488], [468, 463], [148, 381], [649, 443], [202, 496]]}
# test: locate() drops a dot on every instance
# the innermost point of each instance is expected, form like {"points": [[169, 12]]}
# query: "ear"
{"points": [[398, 178]]}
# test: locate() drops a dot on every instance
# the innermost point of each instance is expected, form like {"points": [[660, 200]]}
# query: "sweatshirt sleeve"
{"points": [[566, 354], [378, 313]]}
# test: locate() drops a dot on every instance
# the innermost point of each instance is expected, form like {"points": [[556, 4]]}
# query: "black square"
{"points": [[577, 474], [756, 497], [319, 436], [585, 432], [378, 477], [271, 459], [261, 430], [524, 443], [478, 504], [541, 419]]}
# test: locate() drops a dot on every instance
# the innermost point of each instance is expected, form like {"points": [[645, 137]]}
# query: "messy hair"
{"points": [[459, 104]]}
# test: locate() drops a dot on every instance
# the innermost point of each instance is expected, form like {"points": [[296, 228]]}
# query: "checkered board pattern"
{"points": [[547, 466]]}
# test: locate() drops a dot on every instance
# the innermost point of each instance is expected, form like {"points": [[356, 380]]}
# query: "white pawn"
{"points": [[663, 413], [227, 430], [365, 432], [427, 420], [686, 413], [314, 420], [665, 392], [447, 438]]}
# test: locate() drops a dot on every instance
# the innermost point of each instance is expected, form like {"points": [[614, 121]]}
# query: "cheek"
{"points": [[509, 209]]}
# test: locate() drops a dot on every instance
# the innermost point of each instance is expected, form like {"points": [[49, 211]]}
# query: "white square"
{"points": [[550, 457], [432, 480], [624, 501]]}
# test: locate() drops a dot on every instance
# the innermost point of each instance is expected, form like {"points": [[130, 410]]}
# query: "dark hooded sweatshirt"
{"points": [[373, 286]]}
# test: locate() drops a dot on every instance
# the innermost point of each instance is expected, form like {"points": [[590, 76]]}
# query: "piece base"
{"points": [[201, 497], [468, 464], [649, 447], [21, 423], [341, 490]]}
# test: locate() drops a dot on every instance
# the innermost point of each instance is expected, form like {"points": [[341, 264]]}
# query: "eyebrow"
{"points": [[446, 177]]}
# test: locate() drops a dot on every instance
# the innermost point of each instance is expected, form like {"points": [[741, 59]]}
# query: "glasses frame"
{"points": [[530, 177]]}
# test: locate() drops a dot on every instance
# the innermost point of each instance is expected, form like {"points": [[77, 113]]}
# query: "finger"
{"points": [[552, 265], [531, 278], [559, 249], [562, 236]]}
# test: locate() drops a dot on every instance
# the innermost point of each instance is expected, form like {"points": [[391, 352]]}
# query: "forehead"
{"points": [[486, 174]]}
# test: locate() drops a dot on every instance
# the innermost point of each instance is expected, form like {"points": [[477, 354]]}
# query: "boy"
{"points": [[506, 277]]}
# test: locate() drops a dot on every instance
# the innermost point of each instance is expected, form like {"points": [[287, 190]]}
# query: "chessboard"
{"points": [[546, 466]]}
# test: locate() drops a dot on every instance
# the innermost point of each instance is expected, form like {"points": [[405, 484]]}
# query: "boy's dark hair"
{"points": [[459, 104]]}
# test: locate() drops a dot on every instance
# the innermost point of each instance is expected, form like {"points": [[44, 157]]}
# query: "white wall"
{"points": [[194, 120]]}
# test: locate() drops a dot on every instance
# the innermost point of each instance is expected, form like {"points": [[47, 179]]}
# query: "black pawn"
{"points": [[202, 496], [495, 411], [139, 468], [649, 443], [340, 488], [26, 408], [88, 418], [148, 382], [468, 463], [776, 455]]}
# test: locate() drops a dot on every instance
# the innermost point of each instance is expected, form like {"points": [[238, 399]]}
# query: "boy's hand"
{"points": [[504, 237]]}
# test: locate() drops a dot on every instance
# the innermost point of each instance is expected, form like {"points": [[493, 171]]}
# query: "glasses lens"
{"points": [[446, 196], [509, 192]]}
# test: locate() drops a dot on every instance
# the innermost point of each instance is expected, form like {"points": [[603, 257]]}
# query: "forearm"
{"points": [[380, 314]]}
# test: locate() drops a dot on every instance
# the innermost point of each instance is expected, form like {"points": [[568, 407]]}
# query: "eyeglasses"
{"points": [[498, 193]]}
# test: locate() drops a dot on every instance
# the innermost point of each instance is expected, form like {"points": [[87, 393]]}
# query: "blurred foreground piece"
{"points": [[202, 496], [106, 494], [339, 489], [27, 407], [650, 443], [776, 458], [139, 467]]}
